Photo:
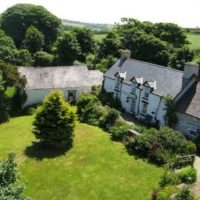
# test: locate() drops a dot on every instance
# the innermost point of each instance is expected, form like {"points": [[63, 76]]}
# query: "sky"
{"points": [[185, 13]]}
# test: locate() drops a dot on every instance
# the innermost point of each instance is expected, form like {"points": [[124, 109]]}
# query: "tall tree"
{"points": [[16, 19], [11, 75], [34, 39], [67, 49], [54, 121], [86, 42], [3, 101]]}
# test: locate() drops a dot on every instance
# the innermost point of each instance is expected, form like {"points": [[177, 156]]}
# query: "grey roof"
{"points": [[189, 103], [168, 80], [60, 77]]}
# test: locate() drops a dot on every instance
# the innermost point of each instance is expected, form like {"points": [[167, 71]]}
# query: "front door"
{"points": [[71, 96]]}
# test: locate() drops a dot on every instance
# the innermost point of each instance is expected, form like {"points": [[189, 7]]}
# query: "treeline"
{"points": [[30, 35]]}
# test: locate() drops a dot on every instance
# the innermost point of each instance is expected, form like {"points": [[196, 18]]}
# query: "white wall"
{"points": [[109, 84], [156, 103], [36, 96]]}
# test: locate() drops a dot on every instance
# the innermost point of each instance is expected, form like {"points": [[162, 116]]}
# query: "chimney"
{"points": [[190, 69], [125, 53]]}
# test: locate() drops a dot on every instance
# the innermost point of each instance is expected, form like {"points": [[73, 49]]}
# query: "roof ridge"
{"points": [[156, 65]]}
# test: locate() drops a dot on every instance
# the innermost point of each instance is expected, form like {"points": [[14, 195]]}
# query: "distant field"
{"points": [[194, 39], [99, 37]]}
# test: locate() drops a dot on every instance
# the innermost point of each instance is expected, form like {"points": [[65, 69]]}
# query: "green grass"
{"points": [[99, 37], [10, 91], [194, 39], [95, 168]]}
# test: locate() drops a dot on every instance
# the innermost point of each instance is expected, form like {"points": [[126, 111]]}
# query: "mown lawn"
{"points": [[194, 39], [94, 168]]}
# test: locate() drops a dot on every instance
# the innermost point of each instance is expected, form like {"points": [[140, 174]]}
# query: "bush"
{"points": [[91, 114], [166, 192], [107, 98], [162, 146], [119, 130], [184, 194], [187, 175], [169, 178], [110, 118], [84, 100], [9, 184], [54, 121]]}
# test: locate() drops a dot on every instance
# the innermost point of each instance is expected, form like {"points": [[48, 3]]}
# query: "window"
{"points": [[146, 95], [117, 84], [133, 104], [193, 129], [144, 110], [133, 90], [117, 95]]}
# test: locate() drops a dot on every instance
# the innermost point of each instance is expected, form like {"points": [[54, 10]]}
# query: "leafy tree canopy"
{"points": [[11, 75], [34, 39], [67, 49], [16, 19], [85, 40], [8, 179]]}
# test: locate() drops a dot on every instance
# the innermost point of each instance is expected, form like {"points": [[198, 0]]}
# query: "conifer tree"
{"points": [[54, 121]]}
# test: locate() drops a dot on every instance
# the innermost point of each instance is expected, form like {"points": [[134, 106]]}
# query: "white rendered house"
{"points": [[141, 88]]}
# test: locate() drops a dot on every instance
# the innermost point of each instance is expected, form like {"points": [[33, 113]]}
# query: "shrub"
{"points": [[166, 192], [187, 175], [84, 100], [169, 178], [54, 121], [91, 114], [107, 98], [110, 118], [119, 130], [184, 194], [162, 146], [9, 185]]}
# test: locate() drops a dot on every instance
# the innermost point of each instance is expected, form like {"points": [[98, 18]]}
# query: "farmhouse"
{"points": [[72, 80], [141, 88]]}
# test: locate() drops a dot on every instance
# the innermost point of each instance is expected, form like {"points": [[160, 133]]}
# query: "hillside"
{"points": [[93, 26]]}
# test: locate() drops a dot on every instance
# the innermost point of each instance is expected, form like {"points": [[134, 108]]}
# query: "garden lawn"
{"points": [[94, 168]]}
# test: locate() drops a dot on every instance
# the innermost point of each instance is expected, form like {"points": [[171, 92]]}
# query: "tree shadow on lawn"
{"points": [[39, 151]]}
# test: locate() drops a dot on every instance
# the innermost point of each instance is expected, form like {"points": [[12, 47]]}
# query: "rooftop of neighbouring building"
{"points": [[60, 77], [190, 101]]}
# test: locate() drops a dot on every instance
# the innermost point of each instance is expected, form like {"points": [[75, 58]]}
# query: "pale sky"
{"points": [[186, 13]]}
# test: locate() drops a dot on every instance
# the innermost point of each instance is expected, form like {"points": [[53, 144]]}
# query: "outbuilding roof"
{"points": [[60, 77], [168, 80], [190, 101]]}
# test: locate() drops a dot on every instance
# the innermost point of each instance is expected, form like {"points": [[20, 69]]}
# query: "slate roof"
{"points": [[190, 101], [168, 81], [60, 77]]}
